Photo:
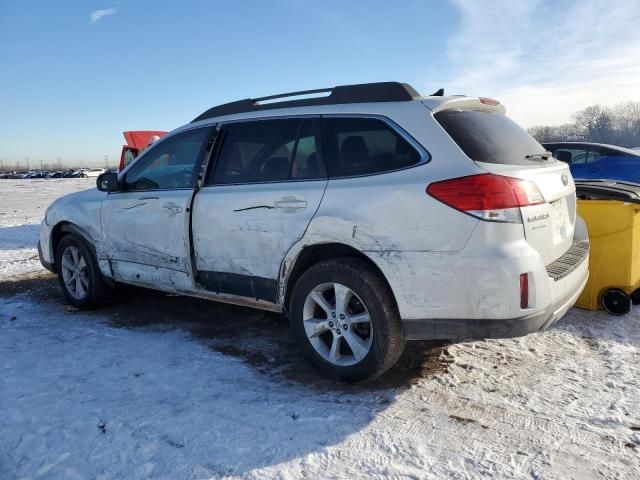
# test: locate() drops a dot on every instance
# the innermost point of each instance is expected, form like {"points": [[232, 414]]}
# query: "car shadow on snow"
{"points": [[262, 339], [292, 413], [19, 236]]}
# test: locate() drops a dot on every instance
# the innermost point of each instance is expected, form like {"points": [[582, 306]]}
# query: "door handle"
{"points": [[290, 204], [172, 208], [149, 198]]}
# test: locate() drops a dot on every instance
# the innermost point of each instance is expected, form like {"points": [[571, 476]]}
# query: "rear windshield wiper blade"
{"points": [[546, 155]]}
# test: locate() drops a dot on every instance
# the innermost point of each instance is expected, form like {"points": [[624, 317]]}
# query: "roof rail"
{"points": [[361, 93]]}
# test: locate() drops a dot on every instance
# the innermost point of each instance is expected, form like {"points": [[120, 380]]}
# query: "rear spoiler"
{"points": [[437, 103], [608, 190]]}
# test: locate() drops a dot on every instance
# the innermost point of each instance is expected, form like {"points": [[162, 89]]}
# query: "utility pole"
{"points": [[27, 160], [41, 165], [1, 165], [106, 162], [59, 163]]}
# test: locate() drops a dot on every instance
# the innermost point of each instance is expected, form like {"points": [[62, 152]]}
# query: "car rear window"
{"points": [[489, 137]]}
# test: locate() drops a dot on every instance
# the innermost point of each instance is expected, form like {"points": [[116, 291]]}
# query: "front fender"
{"points": [[77, 213]]}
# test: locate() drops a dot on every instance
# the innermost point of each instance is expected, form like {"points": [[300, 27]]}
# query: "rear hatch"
{"points": [[500, 146]]}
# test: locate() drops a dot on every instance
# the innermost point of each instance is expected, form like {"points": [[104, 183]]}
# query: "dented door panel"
{"points": [[247, 229], [148, 229]]}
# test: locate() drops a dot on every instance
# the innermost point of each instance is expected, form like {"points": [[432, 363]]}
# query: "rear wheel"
{"points": [[345, 320], [616, 301], [79, 274]]}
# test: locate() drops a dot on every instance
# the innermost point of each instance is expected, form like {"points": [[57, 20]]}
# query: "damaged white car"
{"points": [[369, 216]]}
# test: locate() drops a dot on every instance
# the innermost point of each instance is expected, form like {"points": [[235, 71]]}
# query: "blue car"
{"points": [[591, 161]]}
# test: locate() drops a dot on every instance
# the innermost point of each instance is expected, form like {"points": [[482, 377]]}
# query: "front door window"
{"points": [[168, 165]]}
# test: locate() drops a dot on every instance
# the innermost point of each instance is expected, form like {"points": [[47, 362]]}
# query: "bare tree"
{"points": [[618, 125], [595, 122]]}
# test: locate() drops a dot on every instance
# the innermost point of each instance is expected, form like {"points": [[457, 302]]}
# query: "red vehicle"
{"points": [[137, 141]]}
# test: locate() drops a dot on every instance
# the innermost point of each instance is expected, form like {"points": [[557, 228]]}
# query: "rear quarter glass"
{"points": [[489, 137]]}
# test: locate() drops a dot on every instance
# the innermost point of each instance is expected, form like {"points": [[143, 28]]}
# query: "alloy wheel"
{"points": [[337, 324], [75, 273]]}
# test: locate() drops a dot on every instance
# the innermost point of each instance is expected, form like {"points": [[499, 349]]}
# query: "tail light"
{"points": [[490, 197]]}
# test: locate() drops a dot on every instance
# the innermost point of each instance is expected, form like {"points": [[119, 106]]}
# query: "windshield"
{"points": [[490, 137]]}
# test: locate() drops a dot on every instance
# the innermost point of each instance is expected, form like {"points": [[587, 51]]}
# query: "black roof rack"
{"points": [[361, 93]]}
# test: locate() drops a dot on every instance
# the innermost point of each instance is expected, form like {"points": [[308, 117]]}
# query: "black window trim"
{"points": [[196, 168], [213, 163], [425, 156]]}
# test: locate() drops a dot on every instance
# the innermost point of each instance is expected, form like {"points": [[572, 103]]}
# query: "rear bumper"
{"points": [[470, 329]]}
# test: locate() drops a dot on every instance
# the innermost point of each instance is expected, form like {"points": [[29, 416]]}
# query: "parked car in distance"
{"points": [[369, 216], [592, 161], [92, 172]]}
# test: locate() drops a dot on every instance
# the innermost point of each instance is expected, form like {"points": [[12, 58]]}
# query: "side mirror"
{"points": [[108, 182]]}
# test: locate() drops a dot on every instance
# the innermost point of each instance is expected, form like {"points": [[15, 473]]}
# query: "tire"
{"points": [[84, 288], [316, 322], [616, 301], [635, 297]]}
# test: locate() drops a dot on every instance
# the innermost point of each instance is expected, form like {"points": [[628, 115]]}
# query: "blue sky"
{"points": [[75, 73]]}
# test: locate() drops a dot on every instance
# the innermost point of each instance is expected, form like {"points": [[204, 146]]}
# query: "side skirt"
{"points": [[258, 288]]}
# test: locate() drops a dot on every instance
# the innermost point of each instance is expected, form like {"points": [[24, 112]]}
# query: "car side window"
{"points": [[269, 151], [168, 165], [572, 156], [593, 156], [129, 156], [362, 146]]}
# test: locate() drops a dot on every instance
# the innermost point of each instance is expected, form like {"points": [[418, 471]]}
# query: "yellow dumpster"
{"points": [[611, 211]]}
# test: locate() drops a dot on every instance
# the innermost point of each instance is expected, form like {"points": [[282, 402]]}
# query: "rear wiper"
{"points": [[539, 156]]}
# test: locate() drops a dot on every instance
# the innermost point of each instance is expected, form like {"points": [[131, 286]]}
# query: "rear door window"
{"points": [[489, 137], [269, 151], [364, 146]]}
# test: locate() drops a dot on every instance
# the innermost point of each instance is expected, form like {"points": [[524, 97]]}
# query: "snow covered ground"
{"points": [[158, 386]]}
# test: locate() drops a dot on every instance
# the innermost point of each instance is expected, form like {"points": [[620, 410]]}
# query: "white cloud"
{"points": [[98, 14], [547, 59]]}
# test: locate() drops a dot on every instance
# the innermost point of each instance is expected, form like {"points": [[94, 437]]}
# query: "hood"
{"points": [[140, 138]]}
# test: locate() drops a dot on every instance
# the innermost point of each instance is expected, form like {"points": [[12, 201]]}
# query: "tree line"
{"points": [[617, 125]]}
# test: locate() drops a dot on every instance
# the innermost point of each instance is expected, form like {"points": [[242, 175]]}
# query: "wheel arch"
{"points": [[310, 255], [63, 228]]}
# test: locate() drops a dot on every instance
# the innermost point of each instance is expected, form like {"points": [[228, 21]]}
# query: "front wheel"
{"points": [[346, 321], [79, 274]]}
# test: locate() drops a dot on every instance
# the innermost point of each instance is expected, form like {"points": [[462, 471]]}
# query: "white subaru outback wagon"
{"points": [[369, 215]]}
